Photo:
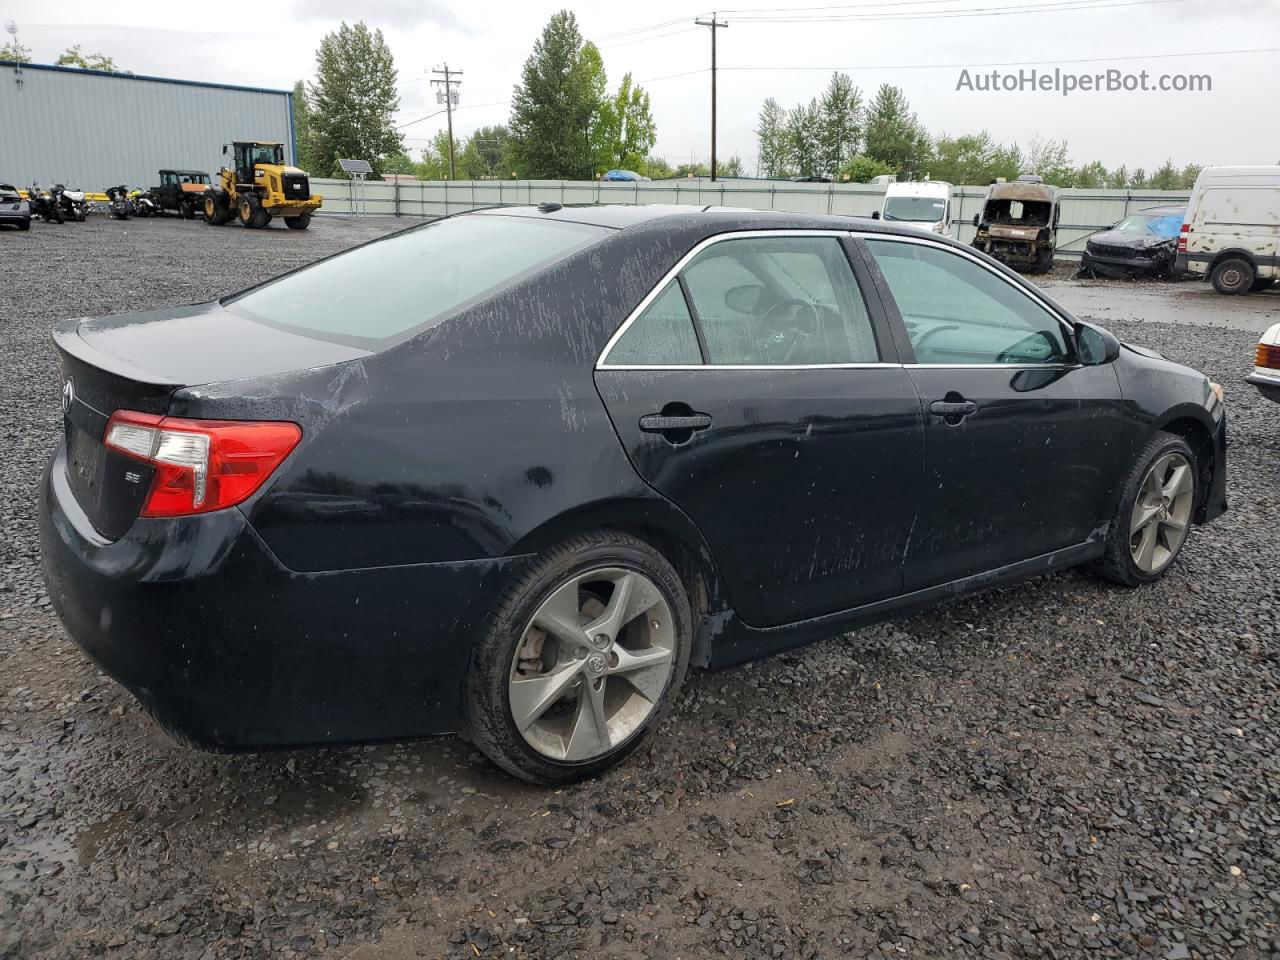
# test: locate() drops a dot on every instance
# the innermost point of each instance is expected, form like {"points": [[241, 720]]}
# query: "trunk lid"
{"points": [[136, 362]]}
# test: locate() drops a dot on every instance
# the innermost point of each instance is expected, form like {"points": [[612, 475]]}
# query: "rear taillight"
{"points": [[1268, 356], [1182, 237], [200, 465]]}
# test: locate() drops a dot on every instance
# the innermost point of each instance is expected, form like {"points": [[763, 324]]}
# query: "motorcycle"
{"points": [[43, 205], [72, 202], [144, 203], [121, 207]]}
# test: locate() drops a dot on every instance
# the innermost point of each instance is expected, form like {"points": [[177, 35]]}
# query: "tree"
{"points": [[1051, 160], [774, 146], [1091, 175], [72, 57], [1189, 174], [862, 169], [1167, 177], [484, 156], [804, 139], [1118, 178], [1138, 179], [15, 51], [695, 169], [303, 135], [894, 136], [353, 100], [625, 129], [656, 168], [732, 167], [556, 106], [840, 124], [973, 159], [434, 164]]}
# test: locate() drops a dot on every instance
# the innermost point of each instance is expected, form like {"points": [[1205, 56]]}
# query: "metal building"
{"points": [[93, 129]]}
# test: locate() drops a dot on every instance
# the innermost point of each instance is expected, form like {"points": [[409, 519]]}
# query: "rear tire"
{"points": [[503, 659], [1147, 516], [1232, 276], [1044, 261], [300, 222]]}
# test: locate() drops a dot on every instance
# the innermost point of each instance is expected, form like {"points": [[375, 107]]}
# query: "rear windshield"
{"points": [[412, 280]]}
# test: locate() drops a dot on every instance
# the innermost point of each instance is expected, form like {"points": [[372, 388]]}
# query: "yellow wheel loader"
{"points": [[259, 185]]}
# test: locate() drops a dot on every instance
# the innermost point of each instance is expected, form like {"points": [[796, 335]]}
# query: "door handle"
{"points": [[953, 411], [660, 423]]}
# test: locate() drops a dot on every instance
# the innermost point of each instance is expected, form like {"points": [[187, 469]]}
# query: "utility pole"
{"points": [[715, 25], [449, 95]]}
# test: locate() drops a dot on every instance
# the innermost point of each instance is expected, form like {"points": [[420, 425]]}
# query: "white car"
{"points": [[924, 204], [1266, 370]]}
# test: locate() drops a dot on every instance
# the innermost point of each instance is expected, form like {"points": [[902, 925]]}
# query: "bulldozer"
{"points": [[259, 185]]}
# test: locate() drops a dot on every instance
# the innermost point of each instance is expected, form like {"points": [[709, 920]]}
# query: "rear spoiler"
{"points": [[66, 336]]}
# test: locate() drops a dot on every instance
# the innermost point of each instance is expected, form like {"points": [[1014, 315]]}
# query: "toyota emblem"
{"points": [[68, 396]]}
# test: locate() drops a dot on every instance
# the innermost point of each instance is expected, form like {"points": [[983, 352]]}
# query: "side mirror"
{"points": [[1095, 346], [224, 149], [875, 214], [977, 218]]}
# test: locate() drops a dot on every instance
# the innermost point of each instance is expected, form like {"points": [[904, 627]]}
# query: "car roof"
{"points": [[619, 216], [201, 173], [1165, 211]]}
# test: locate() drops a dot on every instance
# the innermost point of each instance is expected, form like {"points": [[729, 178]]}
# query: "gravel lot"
{"points": [[1059, 769]]}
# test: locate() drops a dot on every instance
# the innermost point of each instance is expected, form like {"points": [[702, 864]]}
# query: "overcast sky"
{"points": [[920, 50]]}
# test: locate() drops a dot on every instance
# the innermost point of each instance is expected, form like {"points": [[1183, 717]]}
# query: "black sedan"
{"points": [[1143, 244], [14, 210], [510, 473]]}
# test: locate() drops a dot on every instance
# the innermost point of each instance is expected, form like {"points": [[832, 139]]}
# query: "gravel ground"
{"points": [[1058, 769]]}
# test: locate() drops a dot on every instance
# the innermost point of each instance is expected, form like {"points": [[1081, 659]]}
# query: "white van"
{"points": [[920, 203], [1231, 233]]}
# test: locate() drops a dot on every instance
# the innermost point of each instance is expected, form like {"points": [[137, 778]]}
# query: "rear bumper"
{"points": [[231, 650], [292, 208]]}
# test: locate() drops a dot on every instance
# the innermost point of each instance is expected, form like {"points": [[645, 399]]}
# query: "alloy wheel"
{"points": [[1161, 513], [592, 665]]}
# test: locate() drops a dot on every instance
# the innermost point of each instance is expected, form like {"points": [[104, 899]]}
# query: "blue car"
{"points": [[623, 175]]}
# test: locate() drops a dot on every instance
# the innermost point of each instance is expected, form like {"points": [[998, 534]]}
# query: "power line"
{"points": [[1071, 5], [1008, 63]]}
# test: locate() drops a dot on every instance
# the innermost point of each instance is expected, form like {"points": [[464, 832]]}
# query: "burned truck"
{"points": [[1018, 224]]}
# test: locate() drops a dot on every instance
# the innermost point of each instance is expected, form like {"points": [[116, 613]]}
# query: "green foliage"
{"points": [[1091, 176], [1137, 179], [1051, 160], [1189, 174], [15, 51], [839, 124], [656, 168], [771, 134], [973, 159], [556, 104], [894, 136], [484, 156], [730, 168], [696, 169], [73, 57], [435, 158], [625, 131], [353, 101], [303, 134], [398, 163], [862, 169], [804, 139]]}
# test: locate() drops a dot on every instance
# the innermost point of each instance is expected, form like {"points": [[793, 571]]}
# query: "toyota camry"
{"points": [[511, 473]]}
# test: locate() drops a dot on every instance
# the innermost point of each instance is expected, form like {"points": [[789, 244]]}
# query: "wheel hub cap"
{"points": [[1161, 513], [592, 665]]}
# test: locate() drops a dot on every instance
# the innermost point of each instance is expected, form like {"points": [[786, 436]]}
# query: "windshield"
{"points": [[266, 153], [1164, 225], [915, 209], [411, 280]]}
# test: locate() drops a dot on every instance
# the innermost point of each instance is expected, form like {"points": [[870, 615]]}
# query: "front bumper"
{"points": [[231, 650], [1125, 266], [1268, 386]]}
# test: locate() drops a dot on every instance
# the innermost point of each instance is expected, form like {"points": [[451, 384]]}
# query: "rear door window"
{"points": [[662, 335], [412, 280], [780, 301]]}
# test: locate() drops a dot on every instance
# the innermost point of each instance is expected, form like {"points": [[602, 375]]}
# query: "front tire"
{"points": [[580, 659], [217, 208], [1154, 516], [300, 222], [251, 213], [1233, 276]]}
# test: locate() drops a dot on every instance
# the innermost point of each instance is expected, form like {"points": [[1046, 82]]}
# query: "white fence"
{"points": [[1083, 211]]}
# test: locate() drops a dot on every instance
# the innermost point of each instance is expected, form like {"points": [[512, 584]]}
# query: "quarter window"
{"points": [[784, 300], [661, 336], [958, 312]]}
